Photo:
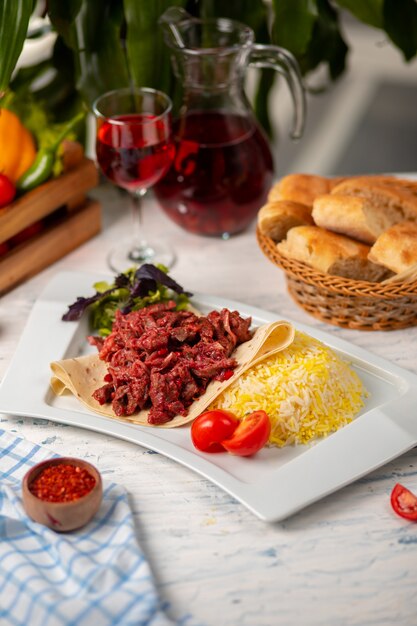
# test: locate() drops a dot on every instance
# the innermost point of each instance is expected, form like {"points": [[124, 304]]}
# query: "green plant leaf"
{"points": [[50, 84], [148, 56], [92, 28], [14, 21], [293, 24], [327, 44], [367, 11], [253, 13], [63, 16], [401, 25]]}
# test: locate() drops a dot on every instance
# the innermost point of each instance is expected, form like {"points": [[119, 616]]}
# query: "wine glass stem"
{"points": [[141, 251]]}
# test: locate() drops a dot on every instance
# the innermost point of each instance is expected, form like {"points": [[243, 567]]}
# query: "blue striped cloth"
{"points": [[96, 576]]}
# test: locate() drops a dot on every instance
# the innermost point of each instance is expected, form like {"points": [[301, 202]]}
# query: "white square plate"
{"points": [[274, 483]]}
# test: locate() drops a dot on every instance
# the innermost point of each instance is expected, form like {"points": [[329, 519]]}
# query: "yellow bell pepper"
{"points": [[17, 146]]}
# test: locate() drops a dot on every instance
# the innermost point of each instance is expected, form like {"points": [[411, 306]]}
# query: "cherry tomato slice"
{"points": [[211, 427], [404, 502], [250, 436]]}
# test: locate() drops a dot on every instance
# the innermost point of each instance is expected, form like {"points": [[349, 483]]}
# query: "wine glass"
{"points": [[134, 150]]}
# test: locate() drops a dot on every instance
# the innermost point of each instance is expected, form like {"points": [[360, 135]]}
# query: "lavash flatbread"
{"points": [[81, 376]]}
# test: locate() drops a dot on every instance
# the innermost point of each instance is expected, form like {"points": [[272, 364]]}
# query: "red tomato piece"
{"points": [[404, 502], [7, 190], [250, 436], [210, 428]]}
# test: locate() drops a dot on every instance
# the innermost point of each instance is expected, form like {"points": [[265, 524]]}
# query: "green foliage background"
{"points": [[105, 44]]}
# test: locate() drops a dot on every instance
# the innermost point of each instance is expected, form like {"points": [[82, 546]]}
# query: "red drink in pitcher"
{"points": [[134, 150], [220, 176]]}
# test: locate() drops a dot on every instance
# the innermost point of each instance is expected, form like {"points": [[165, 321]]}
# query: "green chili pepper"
{"points": [[41, 168]]}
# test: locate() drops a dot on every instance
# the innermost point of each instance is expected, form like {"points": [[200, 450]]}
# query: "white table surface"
{"points": [[346, 560]]}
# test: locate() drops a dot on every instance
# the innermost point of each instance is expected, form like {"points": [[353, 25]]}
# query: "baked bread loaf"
{"points": [[331, 253], [354, 216], [302, 188], [276, 218], [396, 248], [396, 197]]}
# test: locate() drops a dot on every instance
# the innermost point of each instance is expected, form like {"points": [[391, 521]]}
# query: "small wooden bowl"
{"points": [[62, 516]]}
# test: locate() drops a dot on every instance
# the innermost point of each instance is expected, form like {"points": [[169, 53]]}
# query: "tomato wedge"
{"points": [[210, 428], [404, 502], [250, 436]]}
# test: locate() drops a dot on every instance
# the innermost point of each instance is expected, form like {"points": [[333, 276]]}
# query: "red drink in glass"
{"points": [[134, 151], [221, 173]]}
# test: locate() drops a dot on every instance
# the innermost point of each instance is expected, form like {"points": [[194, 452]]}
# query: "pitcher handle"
{"points": [[279, 59]]}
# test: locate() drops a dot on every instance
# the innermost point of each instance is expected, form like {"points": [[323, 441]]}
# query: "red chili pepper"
{"points": [[62, 483]]}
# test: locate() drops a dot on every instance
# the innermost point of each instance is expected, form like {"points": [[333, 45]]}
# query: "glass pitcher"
{"points": [[223, 166]]}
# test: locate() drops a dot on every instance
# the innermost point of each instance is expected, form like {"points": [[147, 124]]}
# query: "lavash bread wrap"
{"points": [[81, 376]]}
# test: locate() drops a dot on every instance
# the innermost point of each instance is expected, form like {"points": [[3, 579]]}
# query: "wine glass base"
{"points": [[124, 256]]}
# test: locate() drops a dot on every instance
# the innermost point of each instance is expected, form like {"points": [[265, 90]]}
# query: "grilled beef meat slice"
{"points": [[163, 359]]}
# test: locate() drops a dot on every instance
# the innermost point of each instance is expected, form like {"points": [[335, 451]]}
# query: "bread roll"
{"points": [[396, 248], [353, 216], [396, 197], [330, 253], [302, 188], [276, 218]]}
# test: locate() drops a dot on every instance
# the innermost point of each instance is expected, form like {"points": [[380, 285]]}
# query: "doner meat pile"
{"points": [[163, 359]]}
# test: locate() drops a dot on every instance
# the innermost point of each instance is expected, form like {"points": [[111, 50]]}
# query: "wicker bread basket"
{"points": [[344, 302]]}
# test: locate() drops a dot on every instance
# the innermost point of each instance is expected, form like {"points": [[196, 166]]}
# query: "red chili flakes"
{"points": [[62, 483]]}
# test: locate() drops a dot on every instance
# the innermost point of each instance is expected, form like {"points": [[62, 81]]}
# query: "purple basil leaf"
{"points": [[121, 281], [142, 287], [145, 281], [76, 310], [150, 272]]}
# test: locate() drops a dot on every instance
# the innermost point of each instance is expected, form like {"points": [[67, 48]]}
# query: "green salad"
{"points": [[132, 290]]}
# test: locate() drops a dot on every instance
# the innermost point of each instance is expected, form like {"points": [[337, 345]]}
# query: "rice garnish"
{"points": [[307, 390]]}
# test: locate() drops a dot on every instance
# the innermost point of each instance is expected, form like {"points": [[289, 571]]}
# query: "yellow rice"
{"points": [[307, 390]]}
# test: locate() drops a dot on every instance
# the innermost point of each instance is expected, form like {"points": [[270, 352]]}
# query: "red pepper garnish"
{"points": [[62, 483], [225, 375]]}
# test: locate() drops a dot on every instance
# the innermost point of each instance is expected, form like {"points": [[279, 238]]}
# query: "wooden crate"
{"points": [[46, 223]]}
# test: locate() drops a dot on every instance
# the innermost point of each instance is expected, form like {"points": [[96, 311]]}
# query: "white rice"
{"points": [[307, 390]]}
